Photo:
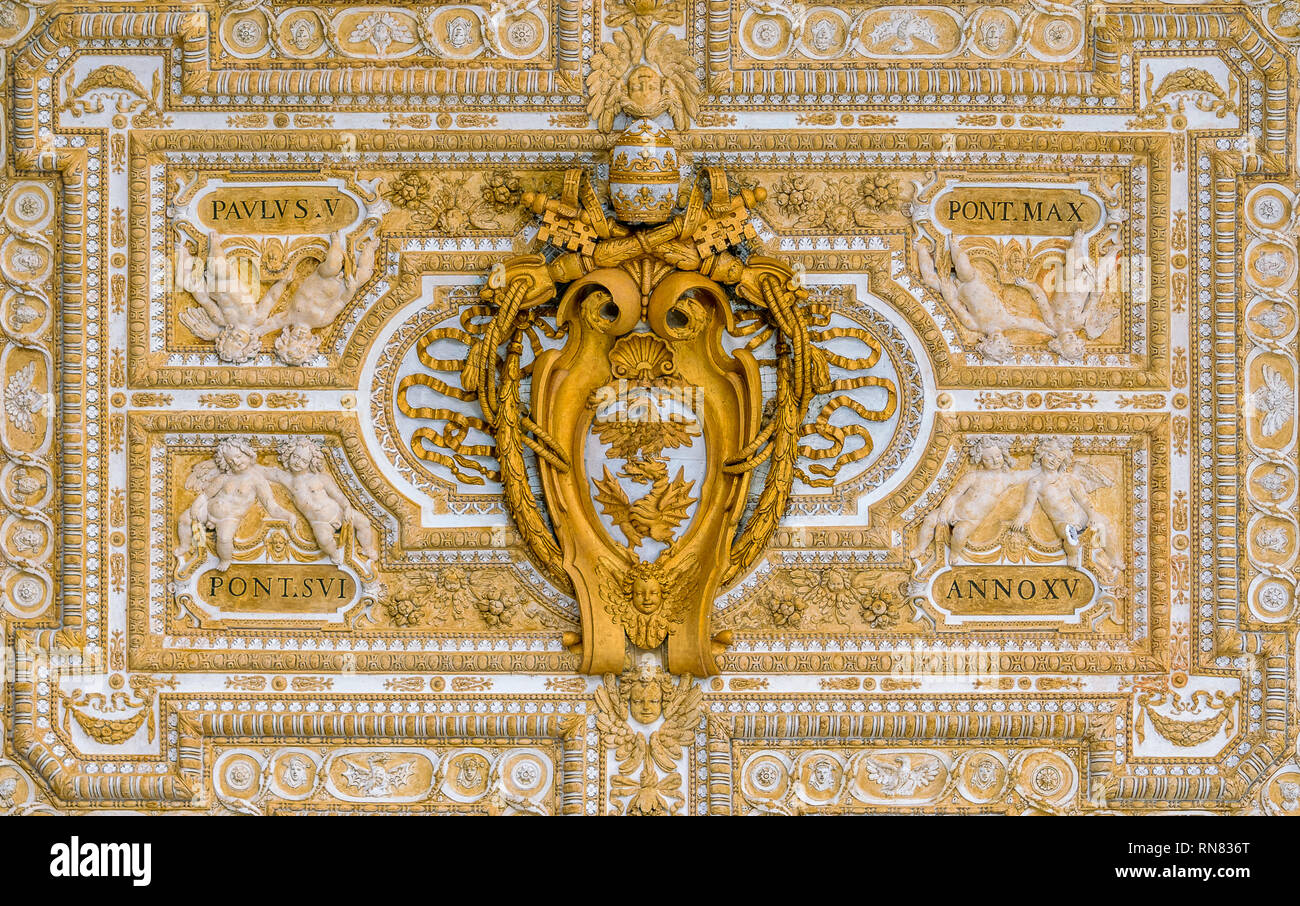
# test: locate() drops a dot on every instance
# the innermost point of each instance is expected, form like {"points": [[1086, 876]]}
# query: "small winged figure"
{"points": [[230, 312], [974, 300], [22, 400], [1076, 304], [643, 75], [377, 780], [227, 486], [1062, 486], [608, 80], [645, 597], [1276, 398], [320, 296], [970, 501], [901, 779], [639, 696], [682, 714], [611, 721]]}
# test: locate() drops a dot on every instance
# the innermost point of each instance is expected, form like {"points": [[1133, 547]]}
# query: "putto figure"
{"points": [[320, 296], [1061, 486], [230, 312], [318, 498], [1075, 306], [972, 498], [228, 485], [975, 302]]}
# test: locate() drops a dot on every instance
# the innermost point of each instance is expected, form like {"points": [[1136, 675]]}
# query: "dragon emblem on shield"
{"points": [[621, 370]]}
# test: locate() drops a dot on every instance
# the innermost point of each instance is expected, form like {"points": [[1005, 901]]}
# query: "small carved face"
{"points": [[1070, 346], [647, 594], [299, 458], [295, 772], [277, 545], [302, 34], [27, 260], [992, 34], [644, 87], [458, 32], [823, 35], [468, 773], [990, 456], [645, 702], [1271, 264], [985, 773], [1050, 459], [823, 776], [238, 459], [235, 344]]}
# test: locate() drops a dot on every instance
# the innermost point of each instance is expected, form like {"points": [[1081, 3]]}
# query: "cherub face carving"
{"points": [[822, 777], [645, 701], [647, 594]]}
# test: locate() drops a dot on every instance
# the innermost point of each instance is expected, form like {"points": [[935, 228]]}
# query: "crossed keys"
{"points": [[721, 231]]}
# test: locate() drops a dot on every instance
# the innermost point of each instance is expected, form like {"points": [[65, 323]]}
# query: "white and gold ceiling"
{"points": [[649, 406]]}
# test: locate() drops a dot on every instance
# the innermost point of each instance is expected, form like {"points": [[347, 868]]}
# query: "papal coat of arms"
{"points": [[619, 372]]}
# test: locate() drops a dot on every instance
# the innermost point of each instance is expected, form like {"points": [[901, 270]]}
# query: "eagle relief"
{"points": [[621, 370]]}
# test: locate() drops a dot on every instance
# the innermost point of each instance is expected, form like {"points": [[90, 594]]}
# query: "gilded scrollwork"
{"points": [[657, 393]]}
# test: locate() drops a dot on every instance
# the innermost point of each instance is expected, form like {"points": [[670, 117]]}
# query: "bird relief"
{"points": [[379, 777], [26, 401]]}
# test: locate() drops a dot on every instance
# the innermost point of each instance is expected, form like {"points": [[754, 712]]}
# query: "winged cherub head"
{"points": [[645, 96], [645, 688], [647, 592]]}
